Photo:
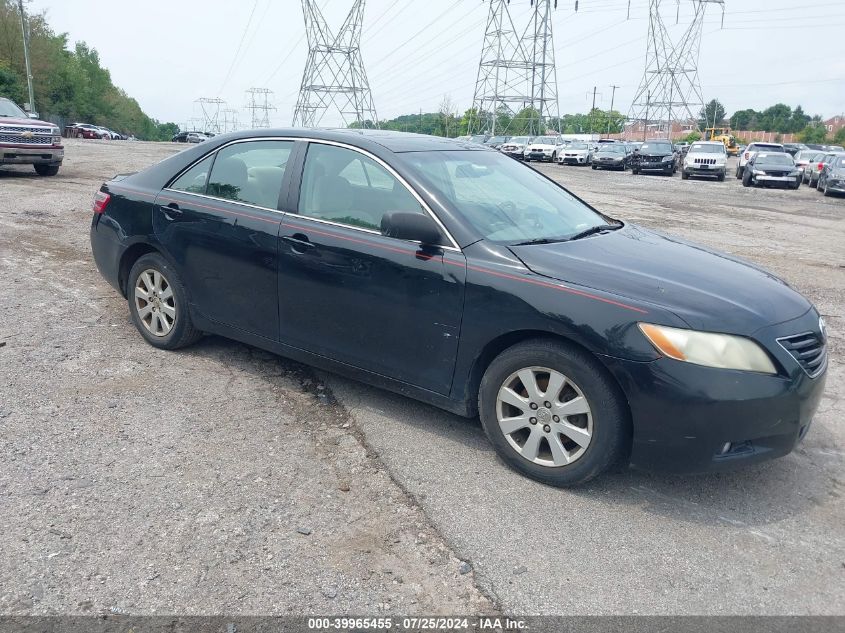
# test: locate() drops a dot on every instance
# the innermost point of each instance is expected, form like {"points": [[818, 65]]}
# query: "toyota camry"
{"points": [[449, 273]]}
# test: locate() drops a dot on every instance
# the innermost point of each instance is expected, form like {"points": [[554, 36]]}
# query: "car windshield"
{"points": [[656, 147], [497, 139], [545, 140], [520, 139], [9, 109], [502, 199], [612, 149], [838, 162], [773, 159], [808, 155], [701, 148], [759, 147], [478, 138], [578, 146]]}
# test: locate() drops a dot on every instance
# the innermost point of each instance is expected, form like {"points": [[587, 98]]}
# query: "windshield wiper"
{"points": [[539, 240], [595, 229]]}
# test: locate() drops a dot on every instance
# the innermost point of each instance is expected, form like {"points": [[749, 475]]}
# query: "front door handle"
{"points": [[298, 242]]}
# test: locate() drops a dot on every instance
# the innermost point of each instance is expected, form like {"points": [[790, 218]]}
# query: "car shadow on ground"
{"points": [[752, 496], [24, 171]]}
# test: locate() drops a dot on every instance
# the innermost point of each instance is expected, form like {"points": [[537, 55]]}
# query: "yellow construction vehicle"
{"points": [[724, 135]]}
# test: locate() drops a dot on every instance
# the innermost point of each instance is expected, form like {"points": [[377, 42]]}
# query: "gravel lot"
{"points": [[222, 479]]}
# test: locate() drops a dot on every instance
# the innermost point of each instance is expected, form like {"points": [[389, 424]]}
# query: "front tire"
{"points": [[684, 175], [552, 414], [158, 304], [738, 172], [46, 170], [746, 179]]}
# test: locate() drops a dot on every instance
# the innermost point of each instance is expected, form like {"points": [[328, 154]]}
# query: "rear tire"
{"points": [[738, 172], [155, 291], [46, 170], [598, 438]]}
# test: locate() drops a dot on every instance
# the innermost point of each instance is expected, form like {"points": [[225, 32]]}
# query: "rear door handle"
{"points": [[299, 242], [172, 211]]}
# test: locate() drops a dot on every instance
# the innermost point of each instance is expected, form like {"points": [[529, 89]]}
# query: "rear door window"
{"points": [[250, 172], [194, 180]]}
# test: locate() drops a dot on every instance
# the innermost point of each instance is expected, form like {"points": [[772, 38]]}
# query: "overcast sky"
{"points": [[167, 53]]}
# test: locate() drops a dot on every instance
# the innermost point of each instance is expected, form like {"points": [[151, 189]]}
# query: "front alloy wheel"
{"points": [[544, 416], [553, 413]]}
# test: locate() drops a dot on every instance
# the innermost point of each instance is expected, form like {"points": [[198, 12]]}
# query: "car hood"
{"points": [[18, 122], [709, 290], [608, 155], [576, 151]]}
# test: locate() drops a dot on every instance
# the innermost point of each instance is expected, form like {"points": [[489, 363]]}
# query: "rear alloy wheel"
{"points": [[551, 413], [46, 170], [158, 304]]}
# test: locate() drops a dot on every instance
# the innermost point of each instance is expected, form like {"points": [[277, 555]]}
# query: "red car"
{"points": [[28, 141], [83, 130]]}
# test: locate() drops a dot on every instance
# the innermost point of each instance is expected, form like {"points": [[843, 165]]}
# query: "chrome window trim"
{"points": [[453, 247]]}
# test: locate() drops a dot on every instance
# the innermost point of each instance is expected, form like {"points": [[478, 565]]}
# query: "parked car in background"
{"points": [[544, 148], [581, 341], [776, 169], [515, 146], [655, 156], [479, 138], [496, 142], [189, 137], [793, 148], [705, 158], [25, 140], [804, 158], [832, 175], [87, 131], [575, 154], [611, 156], [813, 169], [752, 149]]}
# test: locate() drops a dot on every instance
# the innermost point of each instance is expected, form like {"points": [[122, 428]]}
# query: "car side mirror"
{"points": [[416, 227]]}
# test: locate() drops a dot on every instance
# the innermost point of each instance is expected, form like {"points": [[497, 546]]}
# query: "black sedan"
{"points": [[655, 156], [455, 275], [611, 156], [772, 169]]}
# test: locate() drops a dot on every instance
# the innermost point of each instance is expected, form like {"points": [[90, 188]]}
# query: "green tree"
{"points": [[813, 134], [839, 137], [744, 120], [713, 113]]}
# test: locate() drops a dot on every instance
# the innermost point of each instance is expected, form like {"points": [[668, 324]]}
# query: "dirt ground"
{"points": [[222, 479]]}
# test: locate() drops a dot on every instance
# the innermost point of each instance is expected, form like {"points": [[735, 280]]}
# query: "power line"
{"points": [[238, 51]]}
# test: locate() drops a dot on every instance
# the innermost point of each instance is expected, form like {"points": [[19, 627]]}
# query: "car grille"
{"points": [[809, 349], [19, 128], [704, 161], [19, 139], [776, 172]]}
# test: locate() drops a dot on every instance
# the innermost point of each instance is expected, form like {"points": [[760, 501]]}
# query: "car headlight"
{"points": [[724, 351], [667, 159], [795, 172], [758, 172]]}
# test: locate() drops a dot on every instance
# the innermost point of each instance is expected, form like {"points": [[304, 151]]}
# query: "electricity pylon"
{"points": [[210, 109], [334, 73], [517, 70], [259, 106], [670, 89]]}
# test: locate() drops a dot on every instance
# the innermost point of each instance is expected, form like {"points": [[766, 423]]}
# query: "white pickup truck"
{"points": [[28, 141]]}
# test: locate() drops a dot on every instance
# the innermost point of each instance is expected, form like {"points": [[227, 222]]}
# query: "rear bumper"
{"points": [[27, 155], [683, 414], [107, 250]]}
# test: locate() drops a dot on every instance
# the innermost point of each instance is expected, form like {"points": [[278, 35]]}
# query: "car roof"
{"points": [[365, 139]]}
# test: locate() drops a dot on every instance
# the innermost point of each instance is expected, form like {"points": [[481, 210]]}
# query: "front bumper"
{"points": [[836, 185], [31, 155], [705, 170], [654, 166], [573, 160], [542, 156], [615, 164], [783, 181], [684, 414], [518, 154]]}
